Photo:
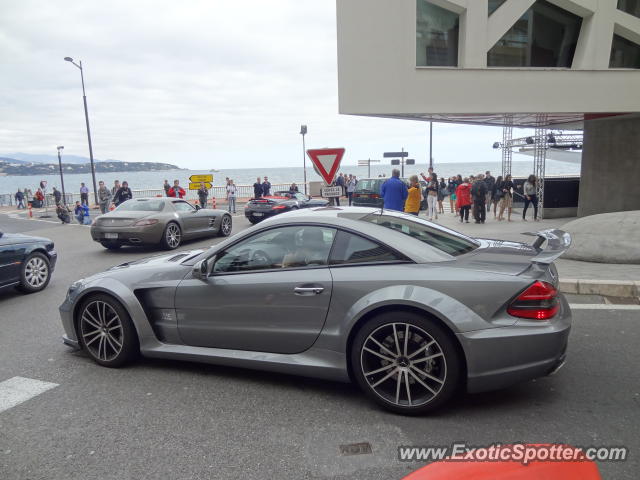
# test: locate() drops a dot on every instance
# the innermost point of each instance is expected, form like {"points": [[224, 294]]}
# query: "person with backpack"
{"points": [[123, 194], [479, 195], [62, 212], [463, 200], [104, 197]]}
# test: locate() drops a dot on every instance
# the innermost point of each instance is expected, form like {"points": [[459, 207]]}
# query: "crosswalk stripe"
{"points": [[17, 390]]}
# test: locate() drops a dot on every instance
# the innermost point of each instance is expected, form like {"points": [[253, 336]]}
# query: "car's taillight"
{"points": [[278, 207], [375, 195], [538, 302], [145, 222]]}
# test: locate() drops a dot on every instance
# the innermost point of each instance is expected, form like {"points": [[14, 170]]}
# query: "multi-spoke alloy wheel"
{"points": [[172, 236], [105, 331], [35, 273], [405, 362], [225, 226]]}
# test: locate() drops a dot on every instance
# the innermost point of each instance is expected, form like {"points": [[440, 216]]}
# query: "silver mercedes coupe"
{"points": [[409, 310]]}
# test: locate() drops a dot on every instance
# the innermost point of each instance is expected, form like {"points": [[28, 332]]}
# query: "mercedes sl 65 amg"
{"points": [[409, 310]]}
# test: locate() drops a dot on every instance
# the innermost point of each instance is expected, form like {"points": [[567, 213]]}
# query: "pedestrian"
{"points": [[104, 197], [122, 195], [351, 187], [506, 202], [479, 196], [293, 189], [166, 188], [231, 196], [38, 199], [394, 192], [177, 191], [490, 183], [442, 192], [530, 197], [463, 200], [79, 212], [115, 188], [432, 195], [496, 195], [452, 184], [340, 183], [84, 194], [257, 188], [19, 196], [62, 212], [266, 187], [414, 196], [203, 193]]}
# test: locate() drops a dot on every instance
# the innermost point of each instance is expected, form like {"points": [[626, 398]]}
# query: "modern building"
{"points": [[562, 64]]}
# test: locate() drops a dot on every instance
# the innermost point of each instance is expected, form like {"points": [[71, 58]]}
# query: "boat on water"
{"points": [[214, 170]]}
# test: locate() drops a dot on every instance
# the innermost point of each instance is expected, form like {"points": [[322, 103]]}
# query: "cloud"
{"points": [[204, 84]]}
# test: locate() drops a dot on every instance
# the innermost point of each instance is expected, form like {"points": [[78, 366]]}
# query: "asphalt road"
{"points": [[171, 420]]}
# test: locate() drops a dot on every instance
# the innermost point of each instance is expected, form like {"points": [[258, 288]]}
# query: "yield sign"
{"points": [[327, 161]]}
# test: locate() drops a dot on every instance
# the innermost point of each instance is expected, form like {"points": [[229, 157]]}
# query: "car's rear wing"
{"points": [[558, 242]]}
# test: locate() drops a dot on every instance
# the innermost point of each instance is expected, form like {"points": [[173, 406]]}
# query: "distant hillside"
{"points": [[9, 166], [45, 158]]}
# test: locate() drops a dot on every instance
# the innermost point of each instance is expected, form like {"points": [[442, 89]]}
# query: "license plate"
{"points": [[257, 214], [364, 196], [110, 235]]}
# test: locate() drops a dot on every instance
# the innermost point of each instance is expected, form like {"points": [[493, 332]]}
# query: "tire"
{"points": [[111, 245], [252, 220], [171, 237], [225, 231], [400, 383], [106, 332], [35, 273]]}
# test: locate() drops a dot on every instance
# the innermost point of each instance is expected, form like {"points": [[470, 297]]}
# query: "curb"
{"points": [[607, 288]]}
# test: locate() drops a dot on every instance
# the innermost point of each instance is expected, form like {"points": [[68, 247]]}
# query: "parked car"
{"points": [[165, 222], [409, 310], [367, 193], [26, 262], [258, 209]]}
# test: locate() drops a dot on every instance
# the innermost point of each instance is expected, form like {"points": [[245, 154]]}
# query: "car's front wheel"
{"points": [[405, 362], [106, 332], [35, 273]]}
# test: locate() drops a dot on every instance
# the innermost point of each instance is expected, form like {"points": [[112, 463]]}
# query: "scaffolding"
{"points": [[507, 152], [539, 159]]}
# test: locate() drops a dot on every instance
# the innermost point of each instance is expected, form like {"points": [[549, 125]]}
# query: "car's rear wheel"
{"points": [[35, 273], [405, 362], [106, 332], [172, 237], [226, 225], [253, 220], [111, 245]]}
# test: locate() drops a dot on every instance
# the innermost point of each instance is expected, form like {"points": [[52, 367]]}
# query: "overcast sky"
{"points": [[202, 84]]}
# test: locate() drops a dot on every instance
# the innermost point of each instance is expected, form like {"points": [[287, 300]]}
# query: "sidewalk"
{"points": [[615, 280]]}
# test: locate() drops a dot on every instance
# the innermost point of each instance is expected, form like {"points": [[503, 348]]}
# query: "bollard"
{"points": [[213, 203], [30, 211], [112, 207]]}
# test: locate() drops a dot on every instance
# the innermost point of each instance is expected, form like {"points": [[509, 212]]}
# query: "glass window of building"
{"points": [[624, 53], [630, 6], [545, 36], [494, 4], [436, 36]]}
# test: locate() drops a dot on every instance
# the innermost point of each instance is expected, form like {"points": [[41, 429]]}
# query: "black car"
{"points": [[26, 262], [258, 209], [367, 192]]}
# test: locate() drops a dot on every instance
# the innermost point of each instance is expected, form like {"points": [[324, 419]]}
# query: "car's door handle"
{"points": [[308, 290]]}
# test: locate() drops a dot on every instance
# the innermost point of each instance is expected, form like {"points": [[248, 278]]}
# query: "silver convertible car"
{"points": [[408, 309], [165, 222]]}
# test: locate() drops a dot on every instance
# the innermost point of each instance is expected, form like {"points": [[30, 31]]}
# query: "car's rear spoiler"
{"points": [[558, 242]]}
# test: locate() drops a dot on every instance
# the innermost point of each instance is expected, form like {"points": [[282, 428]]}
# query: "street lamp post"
{"points": [[86, 118], [64, 197], [303, 132]]}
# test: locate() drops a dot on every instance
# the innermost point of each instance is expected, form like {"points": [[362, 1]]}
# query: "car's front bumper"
{"points": [[53, 258], [499, 357], [151, 234]]}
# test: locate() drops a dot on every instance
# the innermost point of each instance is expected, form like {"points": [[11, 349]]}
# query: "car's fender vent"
{"points": [[180, 256]]}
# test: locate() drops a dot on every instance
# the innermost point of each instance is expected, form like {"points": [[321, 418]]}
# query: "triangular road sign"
{"points": [[327, 161]]}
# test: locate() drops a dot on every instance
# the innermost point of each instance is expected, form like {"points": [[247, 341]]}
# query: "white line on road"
{"points": [[602, 306], [19, 389]]}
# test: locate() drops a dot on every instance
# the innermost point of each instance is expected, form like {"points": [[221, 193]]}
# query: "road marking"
{"points": [[602, 306], [17, 390]]}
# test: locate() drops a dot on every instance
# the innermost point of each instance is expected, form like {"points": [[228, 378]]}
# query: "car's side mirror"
{"points": [[201, 269]]}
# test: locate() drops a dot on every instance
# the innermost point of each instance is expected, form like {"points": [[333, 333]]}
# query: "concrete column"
{"points": [[610, 178]]}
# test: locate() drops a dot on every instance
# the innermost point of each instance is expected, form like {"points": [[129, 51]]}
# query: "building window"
{"points": [[494, 5], [624, 53], [436, 36], [630, 6], [545, 36]]}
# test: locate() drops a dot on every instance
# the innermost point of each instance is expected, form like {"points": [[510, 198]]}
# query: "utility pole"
{"points": [[64, 198]]}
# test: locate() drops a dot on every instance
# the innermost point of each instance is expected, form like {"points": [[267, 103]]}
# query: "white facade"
{"points": [[378, 72]]}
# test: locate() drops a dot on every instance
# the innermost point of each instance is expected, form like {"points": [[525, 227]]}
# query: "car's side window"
{"points": [[183, 207], [277, 248], [351, 248]]}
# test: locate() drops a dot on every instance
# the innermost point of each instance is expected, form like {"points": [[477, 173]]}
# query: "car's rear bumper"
{"points": [[129, 235], [251, 214], [499, 357]]}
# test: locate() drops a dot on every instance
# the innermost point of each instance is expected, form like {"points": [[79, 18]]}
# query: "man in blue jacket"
{"points": [[394, 192]]}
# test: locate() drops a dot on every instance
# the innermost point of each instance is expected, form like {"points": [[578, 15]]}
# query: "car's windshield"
{"points": [[441, 238], [141, 206], [369, 185]]}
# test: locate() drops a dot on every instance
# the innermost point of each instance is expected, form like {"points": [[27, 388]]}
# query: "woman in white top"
{"points": [[231, 196], [351, 187]]}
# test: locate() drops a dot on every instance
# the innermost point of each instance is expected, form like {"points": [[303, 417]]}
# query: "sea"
{"points": [[284, 175]]}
